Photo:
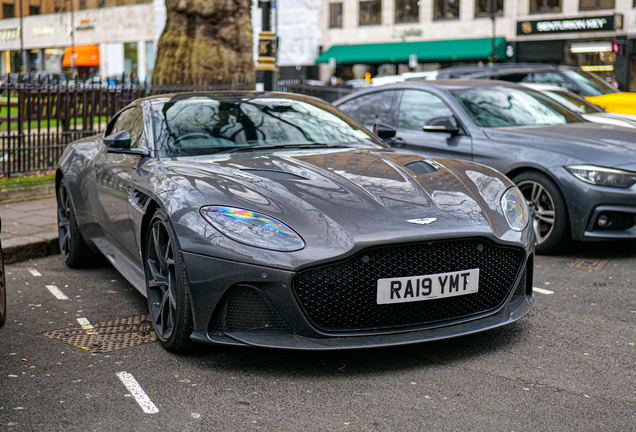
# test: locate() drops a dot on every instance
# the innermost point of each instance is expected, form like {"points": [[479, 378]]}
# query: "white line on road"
{"points": [[56, 292], [542, 291], [86, 325], [34, 272], [138, 393]]}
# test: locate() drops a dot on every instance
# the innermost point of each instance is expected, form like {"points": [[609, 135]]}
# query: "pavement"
{"points": [[29, 229]]}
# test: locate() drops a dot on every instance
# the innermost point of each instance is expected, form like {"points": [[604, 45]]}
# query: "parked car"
{"points": [[3, 288], [52, 78], [271, 219], [585, 109], [586, 84], [578, 177]]}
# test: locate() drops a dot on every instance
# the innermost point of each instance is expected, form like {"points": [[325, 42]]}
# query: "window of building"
{"points": [[335, 15], [82, 4], [101, 3], [150, 60], [545, 6], [597, 4], [407, 11], [484, 8], [8, 10], [446, 9], [34, 10], [371, 12]]}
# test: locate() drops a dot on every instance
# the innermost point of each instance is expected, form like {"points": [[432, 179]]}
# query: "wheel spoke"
{"points": [[546, 216], [537, 231], [158, 278], [537, 191]]}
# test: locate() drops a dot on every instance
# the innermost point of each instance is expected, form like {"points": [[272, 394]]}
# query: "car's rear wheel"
{"points": [[74, 249], [548, 210], [168, 298]]}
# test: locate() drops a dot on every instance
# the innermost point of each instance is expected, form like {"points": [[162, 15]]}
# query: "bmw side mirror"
{"points": [[446, 124], [118, 140], [383, 131]]}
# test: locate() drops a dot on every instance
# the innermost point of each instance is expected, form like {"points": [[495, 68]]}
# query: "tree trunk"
{"points": [[205, 40]]}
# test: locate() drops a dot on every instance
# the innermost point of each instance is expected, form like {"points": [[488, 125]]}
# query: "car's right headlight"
{"points": [[602, 176]]}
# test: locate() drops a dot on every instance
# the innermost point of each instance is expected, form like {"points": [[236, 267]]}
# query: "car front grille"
{"points": [[343, 296]]}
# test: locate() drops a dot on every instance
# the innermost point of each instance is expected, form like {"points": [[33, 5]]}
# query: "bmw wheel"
{"points": [[168, 298], [74, 249], [549, 214]]}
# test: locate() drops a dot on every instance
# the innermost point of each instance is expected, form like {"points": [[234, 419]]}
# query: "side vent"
{"points": [[138, 199]]}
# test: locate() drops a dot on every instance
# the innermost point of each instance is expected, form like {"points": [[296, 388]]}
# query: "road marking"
{"points": [[542, 291], [86, 325], [138, 393], [34, 272], [56, 292]]}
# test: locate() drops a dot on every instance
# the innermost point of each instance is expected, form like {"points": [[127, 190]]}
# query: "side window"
{"points": [[130, 120], [514, 77], [553, 78], [418, 107], [372, 108]]}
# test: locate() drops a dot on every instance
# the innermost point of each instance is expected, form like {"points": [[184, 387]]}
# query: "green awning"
{"points": [[398, 52]]}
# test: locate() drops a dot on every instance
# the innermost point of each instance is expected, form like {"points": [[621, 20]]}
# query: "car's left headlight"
{"points": [[602, 176], [254, 229], [515, 209]]}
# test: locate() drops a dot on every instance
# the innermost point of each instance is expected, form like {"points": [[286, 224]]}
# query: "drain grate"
{"points": [[591, 264], [108, 336]]}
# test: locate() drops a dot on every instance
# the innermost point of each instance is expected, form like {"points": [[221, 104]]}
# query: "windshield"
{"points": [[205, 125], [590, 84], [506, 106], [573, 102]]}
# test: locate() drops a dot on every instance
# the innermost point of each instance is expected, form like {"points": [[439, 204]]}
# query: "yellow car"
{"points": [[618, 102]]}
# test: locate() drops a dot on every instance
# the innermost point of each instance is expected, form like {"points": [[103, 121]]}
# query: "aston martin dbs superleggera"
{"points": [[274, 220]]}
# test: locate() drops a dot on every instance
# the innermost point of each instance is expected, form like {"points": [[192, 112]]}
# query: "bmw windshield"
{"points": [[590, 84], [506, 106], [199, 125]]}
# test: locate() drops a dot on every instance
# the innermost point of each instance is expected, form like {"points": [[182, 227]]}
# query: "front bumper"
{"points": [[285, 325]]}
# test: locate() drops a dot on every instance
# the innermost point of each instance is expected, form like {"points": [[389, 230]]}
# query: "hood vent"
{"points": [[420, 167], [273, 175]]}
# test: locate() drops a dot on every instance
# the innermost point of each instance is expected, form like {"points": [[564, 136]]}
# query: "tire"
{"points": [[166, 289], [549, 213], [3, 291], [73, 248]]}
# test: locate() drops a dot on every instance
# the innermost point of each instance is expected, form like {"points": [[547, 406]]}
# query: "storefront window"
{"points": [[335, 15], [371, 12], [545, 6], [130, 59], [484, 8], [150, 60], [595, 57], [53, 59], [407, 11], [597, 4], [446, 9]]}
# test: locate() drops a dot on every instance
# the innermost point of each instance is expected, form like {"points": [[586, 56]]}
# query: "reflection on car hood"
{"points": [[601, 144], [341, 197]]}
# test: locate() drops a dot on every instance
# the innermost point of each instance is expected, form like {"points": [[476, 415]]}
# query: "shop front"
{"points": [[597, 44]]}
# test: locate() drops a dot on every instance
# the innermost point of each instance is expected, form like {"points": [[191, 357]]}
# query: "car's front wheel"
{"points": [[548, 211], [168, 298]]}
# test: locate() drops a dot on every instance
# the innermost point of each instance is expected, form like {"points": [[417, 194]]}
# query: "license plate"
{"points": [[427, 287]]}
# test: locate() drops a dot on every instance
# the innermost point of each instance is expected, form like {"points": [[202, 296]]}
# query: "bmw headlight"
{"points": [[515, 209], [254, 229], [603, 176]]}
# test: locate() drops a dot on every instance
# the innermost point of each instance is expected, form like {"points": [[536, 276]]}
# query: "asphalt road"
{"points": [[570, 365]]}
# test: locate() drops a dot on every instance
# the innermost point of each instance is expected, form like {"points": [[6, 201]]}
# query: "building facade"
{"points": [[93, 37], [384, 37]]}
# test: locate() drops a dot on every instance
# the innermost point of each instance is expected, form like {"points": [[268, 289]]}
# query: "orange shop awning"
{"points": [[85, 55]]}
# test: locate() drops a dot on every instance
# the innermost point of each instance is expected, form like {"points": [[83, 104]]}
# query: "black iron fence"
{"points": [[38, 121]]}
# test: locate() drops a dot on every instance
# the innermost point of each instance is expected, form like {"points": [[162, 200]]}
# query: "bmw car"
{"points": [[273, 220], [578, 177]]}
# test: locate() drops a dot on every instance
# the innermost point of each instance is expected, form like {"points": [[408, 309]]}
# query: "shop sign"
{"points": [[398, 33], [85, 25], [9, 34], [584, 24], [42, 31]]}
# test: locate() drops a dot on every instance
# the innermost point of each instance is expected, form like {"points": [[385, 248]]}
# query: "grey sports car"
{"points": [[274, 220]]}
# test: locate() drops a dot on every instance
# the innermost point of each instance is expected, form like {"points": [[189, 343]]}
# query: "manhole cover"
{"points": [[591, 264], [109, 336]]}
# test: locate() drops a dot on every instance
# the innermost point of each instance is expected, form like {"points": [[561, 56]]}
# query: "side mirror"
{"points": [[383, 131], [447, 124], [119, 140]]}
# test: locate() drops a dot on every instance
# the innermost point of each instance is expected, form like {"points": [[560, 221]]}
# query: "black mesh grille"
{"points": [[520, 290], [343, 296], [244, 308]]}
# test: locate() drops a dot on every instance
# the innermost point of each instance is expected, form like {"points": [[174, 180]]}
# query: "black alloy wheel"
{"points": [[548, 211], [74, 249], [168, 299]]}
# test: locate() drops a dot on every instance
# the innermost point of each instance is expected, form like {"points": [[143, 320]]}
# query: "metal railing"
{"points": [[37, 121]]}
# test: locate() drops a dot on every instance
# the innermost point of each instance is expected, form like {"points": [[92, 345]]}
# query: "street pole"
{"points": [[493, 12], [73, 36], [266, 70], [22, 51]]}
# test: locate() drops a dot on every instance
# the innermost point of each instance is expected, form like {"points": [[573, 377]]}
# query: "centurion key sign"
{"points": [[568, 25]]}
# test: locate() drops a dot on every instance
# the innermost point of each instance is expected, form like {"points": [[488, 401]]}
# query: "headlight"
{"points": [[515, 208], [252, 228], [603, 176]]}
